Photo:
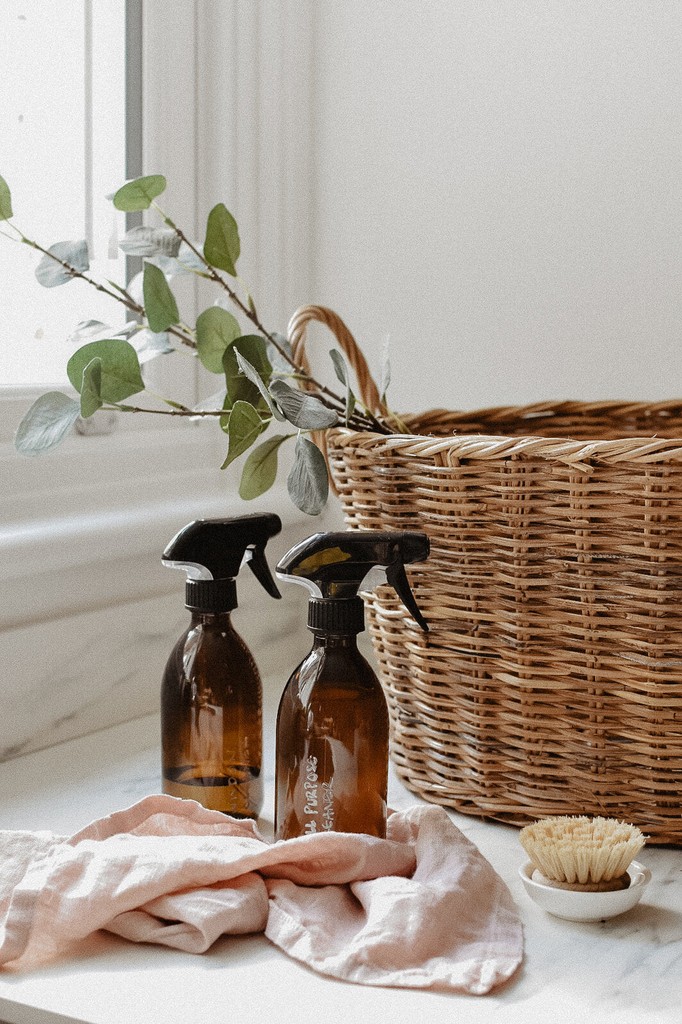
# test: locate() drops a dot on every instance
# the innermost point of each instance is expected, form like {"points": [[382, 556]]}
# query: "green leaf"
{"points": [[147, 241], [341, 370], [303, 410], [5, 200], [252, 374], [159, 301], [121, 375], [139, 193], [308, 481], [91, 388], [51, 273], [221, 247], [244, 427], [239, 388], [260, 469], [216, 330], [46, 423]]}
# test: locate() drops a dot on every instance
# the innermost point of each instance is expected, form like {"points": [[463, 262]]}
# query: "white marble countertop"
{"points": [[627, 970]]}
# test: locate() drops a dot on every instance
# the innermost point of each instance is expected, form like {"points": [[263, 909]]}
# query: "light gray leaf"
{"points": [[279, 363], [212, 403], [186, 262], [385, 368], [87, 330], [149, 345], [148, 241], [303, 410], [252, 374], [46, 423], [341, 370], [51, 273], [308, 481], [136, 289]]}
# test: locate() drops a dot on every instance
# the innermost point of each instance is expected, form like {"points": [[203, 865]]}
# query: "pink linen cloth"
{"points": [[420, 909]]}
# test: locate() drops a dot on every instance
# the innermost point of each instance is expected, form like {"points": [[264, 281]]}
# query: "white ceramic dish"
{"points": [[586, 906]]}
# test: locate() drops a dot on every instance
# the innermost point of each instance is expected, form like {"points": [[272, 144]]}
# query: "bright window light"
{"points": [[62, 151]]}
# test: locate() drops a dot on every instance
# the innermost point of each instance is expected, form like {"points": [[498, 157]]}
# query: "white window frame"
{"points": [[208, 69]]}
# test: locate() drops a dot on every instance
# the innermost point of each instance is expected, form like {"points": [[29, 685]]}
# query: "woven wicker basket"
{"points": [[551, 679]]}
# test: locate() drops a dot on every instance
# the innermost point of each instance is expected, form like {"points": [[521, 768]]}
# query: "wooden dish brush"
{"points": [[582, 854]]}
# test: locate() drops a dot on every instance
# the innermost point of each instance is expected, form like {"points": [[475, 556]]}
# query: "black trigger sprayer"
{"points": [[332, 724], [211, 696]]}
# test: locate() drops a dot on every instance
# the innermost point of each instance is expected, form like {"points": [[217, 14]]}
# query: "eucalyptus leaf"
{"points": [[139, 193], [213, 403], [148, 241], [308, 481], [260, 468], [91, 388], [244, 427], [239, 388], [252, 374], [149, 345], [51, 273], [135, 289], [159, 301], [186, 262], [221, 248], [46, 423], [216, 330], [341, 370], [303, 410], [279, 363], [121, 375], [87, 329], [385, 368], [5, 200], [129, 330]]}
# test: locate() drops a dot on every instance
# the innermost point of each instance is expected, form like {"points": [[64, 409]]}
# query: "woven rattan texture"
{"points": [[551, 679]]}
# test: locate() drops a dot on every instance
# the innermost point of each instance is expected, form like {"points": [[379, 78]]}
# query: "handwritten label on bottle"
{"points": [[319, 799]]}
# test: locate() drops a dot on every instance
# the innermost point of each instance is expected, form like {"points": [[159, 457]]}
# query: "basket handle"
{"points": [[296, 332]]}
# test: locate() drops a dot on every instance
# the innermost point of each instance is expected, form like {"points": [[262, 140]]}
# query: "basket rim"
{"points": [[645, 449]]}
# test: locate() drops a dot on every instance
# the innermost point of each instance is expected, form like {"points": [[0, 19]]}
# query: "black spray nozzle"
{"points": [[212, 551], [333, 565]]}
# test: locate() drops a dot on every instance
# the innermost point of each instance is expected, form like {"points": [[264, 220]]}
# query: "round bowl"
{"points": [[573, 905]]}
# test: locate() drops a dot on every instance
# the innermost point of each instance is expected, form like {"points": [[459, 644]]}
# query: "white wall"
{"points": [[498, 187]]}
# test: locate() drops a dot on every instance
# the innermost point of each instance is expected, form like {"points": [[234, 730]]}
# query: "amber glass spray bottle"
{"points": [[211, 696], [332, 724]]}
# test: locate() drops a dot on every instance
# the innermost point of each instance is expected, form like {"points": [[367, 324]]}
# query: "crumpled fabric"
{"points": [[420, 909]]}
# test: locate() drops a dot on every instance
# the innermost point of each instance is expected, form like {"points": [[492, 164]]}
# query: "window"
{"points": [[62, 146], [216, 89]]}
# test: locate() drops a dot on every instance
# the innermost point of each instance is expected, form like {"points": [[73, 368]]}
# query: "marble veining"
{"points": [[627, 970]]}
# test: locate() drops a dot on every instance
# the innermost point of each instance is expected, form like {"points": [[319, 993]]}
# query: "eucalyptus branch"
{"points": [[180, 411], [122, 296], [250, 312], [213, 275], [72, 271], [107, 372]]}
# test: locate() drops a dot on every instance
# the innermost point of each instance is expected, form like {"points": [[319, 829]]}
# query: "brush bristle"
{"points": [[581, 850]]}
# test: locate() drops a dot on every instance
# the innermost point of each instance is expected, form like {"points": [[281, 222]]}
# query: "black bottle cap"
{"points": [[334, 565], [210, 595], [211, 552], [340, 616]]}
